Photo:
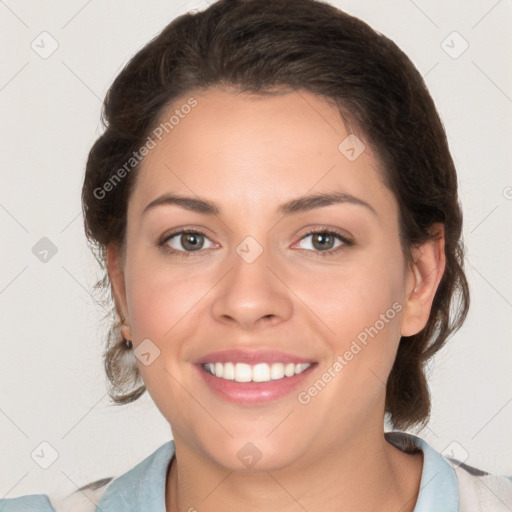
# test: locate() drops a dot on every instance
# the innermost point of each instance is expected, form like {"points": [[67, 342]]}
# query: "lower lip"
{"points": [[252, 393]]}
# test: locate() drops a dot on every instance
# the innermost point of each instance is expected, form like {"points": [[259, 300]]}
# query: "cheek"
{"points": [[158, 297], [145, 297], [349, 300], [362, 308], [161, 308]]}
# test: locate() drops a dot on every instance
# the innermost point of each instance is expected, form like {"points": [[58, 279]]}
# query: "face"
{"points": [[266, 287]]}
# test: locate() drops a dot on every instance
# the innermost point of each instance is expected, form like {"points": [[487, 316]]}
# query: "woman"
{"points": [[276, 210]]}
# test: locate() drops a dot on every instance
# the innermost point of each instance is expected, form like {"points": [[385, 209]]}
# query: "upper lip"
{"points": [[251, 357]]}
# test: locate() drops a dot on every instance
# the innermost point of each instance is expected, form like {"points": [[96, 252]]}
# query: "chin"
{"points": [[253, 454]]}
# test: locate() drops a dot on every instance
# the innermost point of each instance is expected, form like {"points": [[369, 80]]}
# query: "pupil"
{"points": [[194, 245], [323, 237]]}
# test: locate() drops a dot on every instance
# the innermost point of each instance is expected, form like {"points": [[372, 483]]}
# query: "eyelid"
{"points": [[345, 236], [345, 239], [163, 239]]}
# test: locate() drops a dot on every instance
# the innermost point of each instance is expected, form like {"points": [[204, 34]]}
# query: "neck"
{"points": [[365, 474]]}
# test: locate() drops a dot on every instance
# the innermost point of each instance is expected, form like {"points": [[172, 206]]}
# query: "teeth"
{"points": [[242, 372], [289, 369], [261, 372], [229, 371], [277, 371]]}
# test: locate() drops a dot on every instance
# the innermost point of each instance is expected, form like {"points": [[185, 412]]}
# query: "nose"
{"points": [[253, 294]]}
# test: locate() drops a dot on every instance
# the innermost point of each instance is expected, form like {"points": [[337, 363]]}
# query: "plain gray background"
{"points": [[51, 375]]}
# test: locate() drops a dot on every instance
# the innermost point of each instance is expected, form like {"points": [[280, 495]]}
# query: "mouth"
{"points": [[253, 377]]}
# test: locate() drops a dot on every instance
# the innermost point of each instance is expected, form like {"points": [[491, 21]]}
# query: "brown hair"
{"points": [[258, 46]]}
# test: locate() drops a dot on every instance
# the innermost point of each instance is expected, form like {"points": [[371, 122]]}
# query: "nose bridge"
{"points": [[251, 290]]}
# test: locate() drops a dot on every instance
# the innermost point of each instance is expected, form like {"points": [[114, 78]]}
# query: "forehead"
{"points": [[250, 149]]}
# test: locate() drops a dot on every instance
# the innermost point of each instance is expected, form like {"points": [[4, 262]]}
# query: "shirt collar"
{"points": [[439, 488], [143, 486]]}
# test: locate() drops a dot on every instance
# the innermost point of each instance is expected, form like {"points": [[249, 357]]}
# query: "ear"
{"points": [[116, 275], [424, 274]]}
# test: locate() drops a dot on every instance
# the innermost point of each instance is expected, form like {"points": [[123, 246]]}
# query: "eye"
{"points": [[187, 242], [184, 243], [323, 241]]}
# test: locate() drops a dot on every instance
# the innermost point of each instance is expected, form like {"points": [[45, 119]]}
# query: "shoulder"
{"points": [[28, 503], [132, 490], [449, 484], [480, 491], [84, 499]]}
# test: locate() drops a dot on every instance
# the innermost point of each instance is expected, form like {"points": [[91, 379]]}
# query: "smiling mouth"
{"points": [[261, 372]]}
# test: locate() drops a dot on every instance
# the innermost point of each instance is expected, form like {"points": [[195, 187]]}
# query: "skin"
{"points": [[249, 154]]}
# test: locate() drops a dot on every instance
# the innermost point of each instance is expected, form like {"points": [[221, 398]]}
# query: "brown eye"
{"points": [[184, 243], [191, 241], [323, 242]]}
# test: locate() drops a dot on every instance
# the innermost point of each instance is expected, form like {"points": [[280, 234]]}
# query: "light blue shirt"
{"points": [[142, 488]]}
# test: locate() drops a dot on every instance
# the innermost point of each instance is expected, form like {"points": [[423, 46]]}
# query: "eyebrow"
{"points": [[298, 205]]}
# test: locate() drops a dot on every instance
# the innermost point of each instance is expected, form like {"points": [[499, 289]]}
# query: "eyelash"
{"points": [[322, 230]]}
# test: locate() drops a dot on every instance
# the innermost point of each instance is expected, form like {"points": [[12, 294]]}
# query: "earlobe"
{"points": [[116, 275], [423, 277]]}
